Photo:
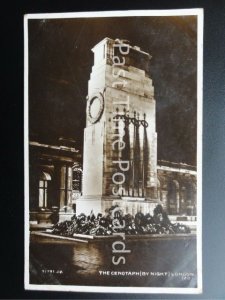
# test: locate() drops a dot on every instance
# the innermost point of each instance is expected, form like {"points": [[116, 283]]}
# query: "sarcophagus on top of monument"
{"points": [[120, 139]]}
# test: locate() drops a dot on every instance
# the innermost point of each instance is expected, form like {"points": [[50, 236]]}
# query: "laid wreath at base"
{"points": [[108, 224]]}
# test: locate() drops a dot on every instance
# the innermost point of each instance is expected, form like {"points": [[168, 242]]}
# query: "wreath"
{"points": [[95, 119]]}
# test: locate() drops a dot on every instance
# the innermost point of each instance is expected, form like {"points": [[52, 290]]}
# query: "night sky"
{"points": [[60, 62]]}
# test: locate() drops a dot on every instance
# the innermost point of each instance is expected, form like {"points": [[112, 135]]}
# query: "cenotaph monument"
{"points": [[120, 139]]}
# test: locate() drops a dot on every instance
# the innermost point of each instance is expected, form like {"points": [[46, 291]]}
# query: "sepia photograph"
{"points": [[113, 151]]}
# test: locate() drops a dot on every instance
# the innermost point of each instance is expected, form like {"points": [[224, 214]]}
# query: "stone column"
{"points": [[182, 200], [69, 185], [62, 196], [178, 201], [164, 199]]}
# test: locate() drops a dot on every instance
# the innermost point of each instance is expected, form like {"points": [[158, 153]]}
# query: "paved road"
{"points": [[151, 263]]}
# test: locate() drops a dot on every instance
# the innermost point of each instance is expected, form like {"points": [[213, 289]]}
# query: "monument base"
{"points": [[129, 205], [96, 204]]}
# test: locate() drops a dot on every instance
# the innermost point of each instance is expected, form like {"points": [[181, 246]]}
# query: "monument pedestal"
{"points": [[132, 205], [97, 204], [129, 205]]}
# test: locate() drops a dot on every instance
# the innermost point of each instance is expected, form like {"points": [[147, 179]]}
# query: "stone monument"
{"points": [[120, 139]]}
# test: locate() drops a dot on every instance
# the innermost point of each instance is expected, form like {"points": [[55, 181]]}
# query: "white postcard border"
{"points": [[161, 290]]}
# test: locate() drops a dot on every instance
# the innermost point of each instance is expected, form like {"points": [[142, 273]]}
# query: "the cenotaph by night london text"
{"points": [[120, 139]]}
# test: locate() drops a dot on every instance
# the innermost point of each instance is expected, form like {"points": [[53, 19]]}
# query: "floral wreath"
{"points": [[92, 119]]}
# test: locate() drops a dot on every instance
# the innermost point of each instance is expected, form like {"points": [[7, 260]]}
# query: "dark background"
{"points": [[60, 63], [12, 198]]}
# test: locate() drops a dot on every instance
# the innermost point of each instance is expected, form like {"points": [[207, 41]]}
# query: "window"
{"points": [[43, 189], [43, 185]]}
